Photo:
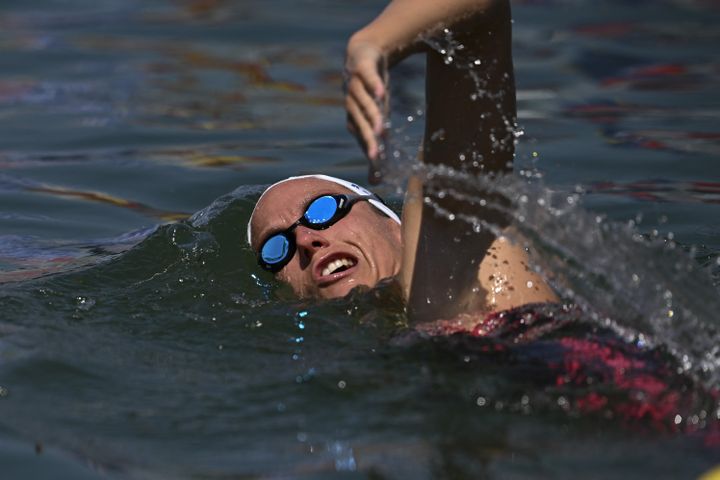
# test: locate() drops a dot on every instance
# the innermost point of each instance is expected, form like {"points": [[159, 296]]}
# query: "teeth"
{"points": [[333, 266]]}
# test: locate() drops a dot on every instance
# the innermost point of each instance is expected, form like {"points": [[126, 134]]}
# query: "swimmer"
{"points": [[324, 236]]}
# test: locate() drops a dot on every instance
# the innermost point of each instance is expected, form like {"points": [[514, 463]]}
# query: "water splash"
{"points": [[650, 290]]}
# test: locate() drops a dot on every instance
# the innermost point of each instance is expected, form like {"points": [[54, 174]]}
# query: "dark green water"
{"points": [[134, 351]]}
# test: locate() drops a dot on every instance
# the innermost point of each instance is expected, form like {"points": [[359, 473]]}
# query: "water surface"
{"points": [[137, 343]]}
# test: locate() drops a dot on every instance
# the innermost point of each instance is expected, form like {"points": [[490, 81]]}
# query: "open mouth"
{"points": [[335, 267], [339, 265]]}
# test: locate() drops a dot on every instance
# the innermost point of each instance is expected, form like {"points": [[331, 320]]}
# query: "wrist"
{"points": [[362, 40]]}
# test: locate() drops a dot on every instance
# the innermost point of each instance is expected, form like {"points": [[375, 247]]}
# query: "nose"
{"points": [[309, 242]]}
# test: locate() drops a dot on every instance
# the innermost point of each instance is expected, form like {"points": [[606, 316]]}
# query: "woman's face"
{"points": [[362, 248]]}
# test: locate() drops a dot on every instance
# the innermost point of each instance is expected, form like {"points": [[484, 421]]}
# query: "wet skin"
{"points": [[368, 239]]}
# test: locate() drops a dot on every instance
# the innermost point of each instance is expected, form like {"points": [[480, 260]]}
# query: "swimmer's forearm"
{"points": [[397, 32], [403, 23], [469, 127]]}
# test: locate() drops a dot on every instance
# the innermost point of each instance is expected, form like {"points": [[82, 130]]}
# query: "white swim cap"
{"points": [[349, 185]]}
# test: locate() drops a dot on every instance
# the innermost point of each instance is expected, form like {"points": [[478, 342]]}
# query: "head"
{"points": [[362, 248]]}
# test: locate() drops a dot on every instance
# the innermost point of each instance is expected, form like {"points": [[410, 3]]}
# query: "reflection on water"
{"points": [[167, 352]]}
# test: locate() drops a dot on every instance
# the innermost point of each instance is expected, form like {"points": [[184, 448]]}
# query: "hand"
{"points": [[366, 98]]}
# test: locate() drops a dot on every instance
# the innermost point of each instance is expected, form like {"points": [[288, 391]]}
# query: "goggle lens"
{"points": [[321, 210], [275, 249]]}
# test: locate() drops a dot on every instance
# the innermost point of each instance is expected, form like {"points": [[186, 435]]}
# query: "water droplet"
{"points": [[341, 384], [481, 402]]}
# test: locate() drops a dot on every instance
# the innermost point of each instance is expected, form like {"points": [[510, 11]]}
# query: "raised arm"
{"points": [[469, 126], [399, 30]]}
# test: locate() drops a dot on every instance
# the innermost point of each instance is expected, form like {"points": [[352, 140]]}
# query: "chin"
{"points": [[341, 289]]}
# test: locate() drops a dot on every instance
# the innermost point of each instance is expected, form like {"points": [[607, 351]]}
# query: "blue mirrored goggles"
{"points": [[321, 213]]}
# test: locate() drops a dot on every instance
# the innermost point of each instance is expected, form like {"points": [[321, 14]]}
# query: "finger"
{"points": [[371, 75], [374, 175], [368, 105], [350, 125], [364, 131]]}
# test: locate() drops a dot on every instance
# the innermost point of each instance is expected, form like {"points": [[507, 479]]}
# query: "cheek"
{"points": [[291, 275], [288, 277], [383, 247]]}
